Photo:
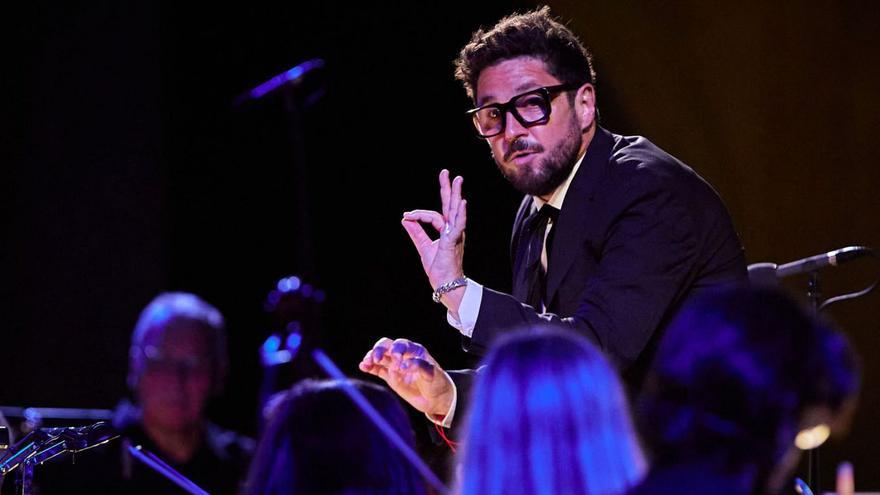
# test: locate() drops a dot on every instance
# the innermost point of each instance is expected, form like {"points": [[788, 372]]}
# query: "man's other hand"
{"points": [[412, 373]]}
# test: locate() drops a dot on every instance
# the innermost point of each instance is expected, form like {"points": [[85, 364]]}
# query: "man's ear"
{"points": [[585, 105]]}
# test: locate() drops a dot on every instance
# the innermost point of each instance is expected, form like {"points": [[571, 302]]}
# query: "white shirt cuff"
{"points": [[446, 422], [468, 310]]}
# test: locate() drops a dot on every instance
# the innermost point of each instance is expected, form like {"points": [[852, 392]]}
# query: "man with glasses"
{"points": [[612, 237], [177, 363]]}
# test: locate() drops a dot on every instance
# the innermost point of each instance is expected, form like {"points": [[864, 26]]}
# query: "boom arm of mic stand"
{"points": [[156, 464]]}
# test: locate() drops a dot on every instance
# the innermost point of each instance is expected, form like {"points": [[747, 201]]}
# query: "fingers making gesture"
{"points": [[442, 257]]}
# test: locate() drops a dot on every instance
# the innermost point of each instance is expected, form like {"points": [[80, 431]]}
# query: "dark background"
{"points": [[128, 172]]}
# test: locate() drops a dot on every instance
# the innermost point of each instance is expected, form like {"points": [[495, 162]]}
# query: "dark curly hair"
{"points": [[532, 34]]}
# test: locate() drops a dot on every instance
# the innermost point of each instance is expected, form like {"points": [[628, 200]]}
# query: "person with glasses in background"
{"points": [[177, 364], [612, 236]]}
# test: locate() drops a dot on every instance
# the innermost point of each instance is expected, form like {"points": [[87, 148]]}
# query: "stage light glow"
{"points": [[293, 342], [272, 344], [812, 437]]}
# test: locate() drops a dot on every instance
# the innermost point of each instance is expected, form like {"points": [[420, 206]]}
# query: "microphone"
{"points": [[767, 274], [813, 263], [288, 78]]}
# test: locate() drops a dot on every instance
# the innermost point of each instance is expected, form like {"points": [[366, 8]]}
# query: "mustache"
{"points": [[522, 145]]}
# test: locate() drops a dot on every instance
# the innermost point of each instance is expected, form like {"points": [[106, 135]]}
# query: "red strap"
{"points": [[442, 432]]}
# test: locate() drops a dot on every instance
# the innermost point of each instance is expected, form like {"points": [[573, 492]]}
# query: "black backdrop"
{"points": [[129, 172]]}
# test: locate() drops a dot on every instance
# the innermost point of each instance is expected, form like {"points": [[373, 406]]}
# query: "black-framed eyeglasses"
{"points": [[529, 109]]}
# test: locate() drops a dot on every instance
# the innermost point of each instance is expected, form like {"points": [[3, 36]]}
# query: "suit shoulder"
{"points": [[637, 163], [637, 155]]}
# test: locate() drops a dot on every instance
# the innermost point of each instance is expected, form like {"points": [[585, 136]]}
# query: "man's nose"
{"points": [[512, 128]]}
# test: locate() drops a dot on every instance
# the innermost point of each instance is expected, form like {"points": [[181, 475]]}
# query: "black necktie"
{"points": [[529, 284]]}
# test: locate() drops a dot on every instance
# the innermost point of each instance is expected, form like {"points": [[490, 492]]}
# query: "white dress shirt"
{"points": [[473, 292]]}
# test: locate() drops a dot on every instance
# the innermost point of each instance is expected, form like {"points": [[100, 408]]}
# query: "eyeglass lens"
{"points": [[531, 108]]}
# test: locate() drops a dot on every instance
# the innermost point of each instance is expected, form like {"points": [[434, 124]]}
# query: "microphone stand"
{"points": [[814, 295], [816, 304], [768, 274], [158, 465], [300, 88]]}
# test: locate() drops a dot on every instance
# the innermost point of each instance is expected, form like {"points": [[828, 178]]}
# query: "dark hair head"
{"points": [[319, 442], [170, 307], [549, 415], [734, 376], [533, 34]]}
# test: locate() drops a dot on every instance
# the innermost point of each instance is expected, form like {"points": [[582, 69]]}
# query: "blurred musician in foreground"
{"points": [[737, 378]]}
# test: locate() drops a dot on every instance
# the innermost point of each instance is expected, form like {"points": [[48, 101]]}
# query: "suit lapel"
{"points": [[575, 216]]}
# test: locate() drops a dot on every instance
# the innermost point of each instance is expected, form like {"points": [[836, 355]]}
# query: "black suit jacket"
{"points": [[639, 234]]}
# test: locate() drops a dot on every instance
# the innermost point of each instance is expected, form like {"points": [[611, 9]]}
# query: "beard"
{"points": [[543, 177]]}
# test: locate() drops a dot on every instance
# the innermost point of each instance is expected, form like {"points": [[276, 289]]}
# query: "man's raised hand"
{"points": [[441, 258]]}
